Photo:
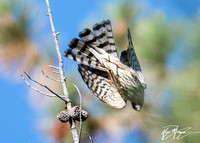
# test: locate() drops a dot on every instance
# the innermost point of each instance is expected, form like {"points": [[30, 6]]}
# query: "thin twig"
{"points": [[37, 90], [89, 136], [81, 101], [62, 77], [61, 97], [59, 57], [50, 77]]}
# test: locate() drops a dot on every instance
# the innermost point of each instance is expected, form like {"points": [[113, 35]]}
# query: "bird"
{"points": [[111, 78]]}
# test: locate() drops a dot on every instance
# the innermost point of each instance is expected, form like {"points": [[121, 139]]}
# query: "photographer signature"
{"points": [[176, 133]]}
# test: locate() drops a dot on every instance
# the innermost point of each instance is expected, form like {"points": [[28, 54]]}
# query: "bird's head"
{"points": [[138, 101], [137, 98]]}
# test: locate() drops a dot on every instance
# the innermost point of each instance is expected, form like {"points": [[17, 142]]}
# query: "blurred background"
{"points": [[166, 36]]}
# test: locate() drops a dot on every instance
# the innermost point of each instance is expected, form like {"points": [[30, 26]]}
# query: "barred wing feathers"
{"points": [[93, 73], [101, 86]]}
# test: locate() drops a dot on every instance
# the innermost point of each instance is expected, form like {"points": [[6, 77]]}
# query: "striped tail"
{"points": [[83, 50], [80, 52]]}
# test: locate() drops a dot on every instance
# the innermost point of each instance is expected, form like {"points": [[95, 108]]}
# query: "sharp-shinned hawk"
{"points": [[112, 79]]}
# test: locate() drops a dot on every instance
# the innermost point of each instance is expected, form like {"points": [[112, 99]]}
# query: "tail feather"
{"points": [[88, 37], [80, 46], [103, 32], [93, 46], [100, 32], [70, 54], [102, 37], [110, 38]]}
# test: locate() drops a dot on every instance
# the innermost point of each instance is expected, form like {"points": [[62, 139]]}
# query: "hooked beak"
{"points": [[137, 108]]}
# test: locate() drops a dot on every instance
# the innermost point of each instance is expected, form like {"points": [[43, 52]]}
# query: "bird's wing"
{"points": [[101, 86], [128, 57], [93, 73]]}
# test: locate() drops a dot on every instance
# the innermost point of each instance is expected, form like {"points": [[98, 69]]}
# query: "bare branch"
{"points": [[59, 57], [62, 77], [61, 97], [74, 131], [37, 90], [50, 77], [89, 136], [80, 130]]}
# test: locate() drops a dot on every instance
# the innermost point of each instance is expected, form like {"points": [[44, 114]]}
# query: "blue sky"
{"points": [[17, 116]]}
